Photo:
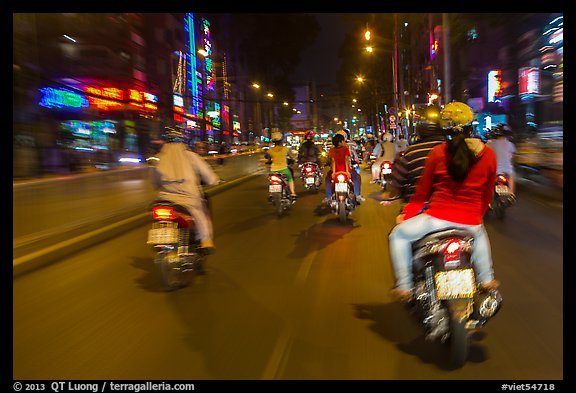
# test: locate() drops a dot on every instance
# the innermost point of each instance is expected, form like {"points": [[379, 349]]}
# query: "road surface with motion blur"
{"points": [[302, 297]]}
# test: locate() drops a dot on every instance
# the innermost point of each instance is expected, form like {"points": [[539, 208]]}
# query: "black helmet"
{"points": [[500, 129], [426, 128]]}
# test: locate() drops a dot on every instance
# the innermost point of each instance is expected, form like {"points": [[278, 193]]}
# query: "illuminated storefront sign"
{"points": [[553, 56], [213, 114], [557, 37], [494, 85], [208, 65], [529, 80], [178, 107], [102, 98], [193, 81], [105, 98], [225, 117], [61, 98], [178, 100], [435, 41], [142, 100]]}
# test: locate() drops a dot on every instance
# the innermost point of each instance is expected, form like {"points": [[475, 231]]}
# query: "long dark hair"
{"points": [[461, 158]]}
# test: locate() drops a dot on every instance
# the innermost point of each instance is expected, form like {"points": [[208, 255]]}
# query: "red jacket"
{"points": [[463, 203]]}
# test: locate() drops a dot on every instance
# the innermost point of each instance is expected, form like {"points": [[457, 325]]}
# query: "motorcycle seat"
{"points": [[439, 235], [282, 175]]}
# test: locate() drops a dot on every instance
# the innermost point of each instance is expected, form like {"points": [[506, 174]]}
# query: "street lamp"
{"points": [[372, 117], [258, 111]]}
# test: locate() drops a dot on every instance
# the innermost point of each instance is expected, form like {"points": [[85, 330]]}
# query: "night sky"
{"points": [[320, 61]]}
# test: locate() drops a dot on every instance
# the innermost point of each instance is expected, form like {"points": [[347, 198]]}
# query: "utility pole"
{"points": [[446, 38], [395, 62]]}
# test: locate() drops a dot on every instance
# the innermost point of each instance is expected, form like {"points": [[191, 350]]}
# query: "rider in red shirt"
{"points": [[454, 191], [340, 157]]}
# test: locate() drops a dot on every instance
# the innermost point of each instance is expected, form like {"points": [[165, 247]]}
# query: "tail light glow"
{"points": [[452, 250], [341, 178], [163, 213], [275, 179], [386, 165], [308, 169], [501, 179]]}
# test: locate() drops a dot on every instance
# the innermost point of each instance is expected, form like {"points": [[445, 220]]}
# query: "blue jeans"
{"points": [[405, 233], [356, 179]]}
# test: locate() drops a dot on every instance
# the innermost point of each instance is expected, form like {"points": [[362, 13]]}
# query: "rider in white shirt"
{"points": [[504, 150]]}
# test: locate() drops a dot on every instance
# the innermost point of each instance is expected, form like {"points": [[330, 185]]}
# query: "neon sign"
{"points": [[529, 80], [61, 98], [142, 100], [104, 98], [193, 82], [112, 97], [494, 85], [208, 65], [434, 49]]}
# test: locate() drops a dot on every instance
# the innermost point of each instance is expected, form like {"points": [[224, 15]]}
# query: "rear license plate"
{"points": [[309, 180], [502, 190], [275, 188], [386, 171], [163, 236], [455, 284], [341, 187]]}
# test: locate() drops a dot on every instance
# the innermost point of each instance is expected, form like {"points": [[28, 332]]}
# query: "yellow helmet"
{"points": [[456, 114]]}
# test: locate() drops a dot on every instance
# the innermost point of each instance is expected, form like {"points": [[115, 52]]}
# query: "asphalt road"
{"points": [[298, 298]]}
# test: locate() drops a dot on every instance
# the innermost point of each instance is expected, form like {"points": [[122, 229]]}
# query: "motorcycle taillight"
{"points": [[386, 165], [452, 250], [163, 213], [275, 179], [341, 178], [309, 169], [501, 179]]}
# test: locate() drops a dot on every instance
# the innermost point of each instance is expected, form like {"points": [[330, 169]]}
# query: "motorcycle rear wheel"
{"points": [[459, 342], [277, 203], [342, 212], [171, 275]]}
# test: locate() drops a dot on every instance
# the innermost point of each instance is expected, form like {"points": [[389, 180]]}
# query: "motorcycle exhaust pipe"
{"points": [[486, 305]]}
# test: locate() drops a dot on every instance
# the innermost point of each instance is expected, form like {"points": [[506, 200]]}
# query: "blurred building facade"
{"points": [[511, 72], [95, 90]]}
